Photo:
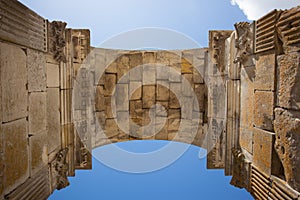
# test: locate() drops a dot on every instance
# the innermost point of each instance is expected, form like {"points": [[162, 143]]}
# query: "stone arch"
{"points": [[188, 64]]}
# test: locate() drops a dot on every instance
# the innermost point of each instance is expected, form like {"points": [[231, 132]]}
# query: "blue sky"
{"points": [[187, 178]]}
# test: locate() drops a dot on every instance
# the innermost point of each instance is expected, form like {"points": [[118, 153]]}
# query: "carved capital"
{"points": [[56, 37], [244, 42], [61, 169]]}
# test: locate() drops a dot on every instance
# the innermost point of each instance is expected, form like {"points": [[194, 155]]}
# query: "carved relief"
{"points": [[243, 42], [57, 41], [217, 47], [240, 173], [61, 169]]}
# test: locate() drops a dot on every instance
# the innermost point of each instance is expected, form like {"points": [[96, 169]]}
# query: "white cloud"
{"points": [[254, 9]]}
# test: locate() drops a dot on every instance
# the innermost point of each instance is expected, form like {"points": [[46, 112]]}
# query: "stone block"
{"points": [[162, 72], [122, 99], [13, 82], [265, 73], [111, 128], [149, 74], [162, 108], [109, 104], [289, 81], [186, 66], [136, 109], [263, 142], [175, 95], [162, 91], [123, 69], [161, 128], [198, 75], [263, 110], [53, 119], [187, 107], [246, 139], [38, 152], [148, 96], [199, 90], [149, 57], [16, 154], [135, 90], [136, 59], [287, 128], [136, 74], [109, 84], [52, 75], [36, 69], [37, 112], [247, 97], [175, 73], [99, 98]]}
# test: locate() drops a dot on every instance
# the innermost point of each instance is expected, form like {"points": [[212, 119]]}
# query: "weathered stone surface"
{"points": [[122, 99], [287, 128], [265, 73], [108, 107], [162, 91], [36, 67], [289, 81], [16, 154], [247, 107], [149, 74], [109, 84], [263, 110], [53, 119], [263, 142], [149, 57], [135, 89], [52, 75], [186, 66], [99, 98], [37, 112], [38, 152], [13, 81], [148, 96], [111, 128]]}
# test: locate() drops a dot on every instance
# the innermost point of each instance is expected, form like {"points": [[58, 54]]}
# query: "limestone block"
{"points": [[217, 96], [13, 81], [135, 59], [149, 74], [109, 84], [136, 109], [136, 74], [38, 151], [198, 75], [162, 91], [246, 139], [123, 68], [162, 57], [186, 66], [162, 72], [200, 94], [161, 128], [187, 108], [108, 107], [111, 128], [289, 81], [162, 108], [135, 90], [287, 128], [99, 98], [265, 73], [263, 142], [263, 110], [149, 57], [122, 99], [123, 121], [148, 96], [175, 95], [53, 119], [37, 112], [112, 68], [16, 154], [52, 75], [175, 73], [36, 69]]}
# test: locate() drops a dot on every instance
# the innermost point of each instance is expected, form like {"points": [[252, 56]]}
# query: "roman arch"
{"points": [[60, 98]]}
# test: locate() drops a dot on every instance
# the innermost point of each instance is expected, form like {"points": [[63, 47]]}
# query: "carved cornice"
{"points": [[244, 42], [56, 37], [61, 168]]}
